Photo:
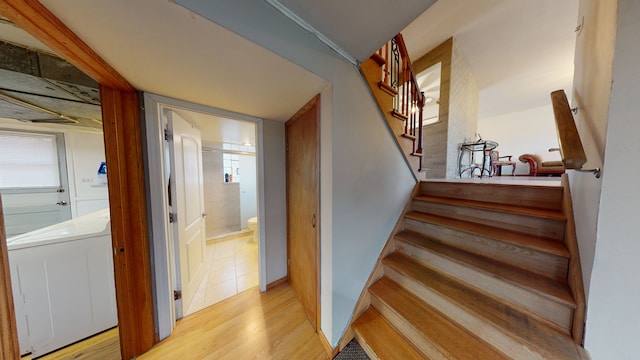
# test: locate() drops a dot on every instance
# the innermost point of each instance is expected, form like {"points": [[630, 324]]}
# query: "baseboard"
{"points": [[276, 283], [229, 236], [331, 351], [349, 335]]}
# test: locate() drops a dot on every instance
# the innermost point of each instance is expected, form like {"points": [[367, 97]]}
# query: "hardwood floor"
{"points": [[104, 346], [250, 325]]}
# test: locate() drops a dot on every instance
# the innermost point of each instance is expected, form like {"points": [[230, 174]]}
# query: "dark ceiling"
{"points": [[38, 87]]}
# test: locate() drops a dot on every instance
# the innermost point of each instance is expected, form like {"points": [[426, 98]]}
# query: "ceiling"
{"points": [[519, 51], [173, 52], [216, 130], [359, 27], [39, 87]]}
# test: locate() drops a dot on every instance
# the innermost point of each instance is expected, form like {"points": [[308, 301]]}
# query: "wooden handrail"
{"points": [[571, 149], [398, 78]]}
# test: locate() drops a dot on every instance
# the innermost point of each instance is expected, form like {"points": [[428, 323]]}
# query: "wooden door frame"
{"points": [[315, 101], [127, 198]]}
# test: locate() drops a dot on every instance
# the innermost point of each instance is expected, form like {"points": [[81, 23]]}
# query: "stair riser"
{"points": [[555, 314], [422, 343], [545, 264], [544, 197], [552, 229], [489, 333]]}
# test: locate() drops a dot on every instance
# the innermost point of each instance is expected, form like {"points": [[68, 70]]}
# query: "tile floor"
{"points": [[232, 268]]}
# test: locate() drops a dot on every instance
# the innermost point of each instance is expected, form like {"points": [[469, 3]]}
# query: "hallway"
{"points": [[251, 325]]}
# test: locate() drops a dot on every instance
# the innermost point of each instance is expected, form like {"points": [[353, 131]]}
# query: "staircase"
{"points": [[393, 85], [476, 271]]}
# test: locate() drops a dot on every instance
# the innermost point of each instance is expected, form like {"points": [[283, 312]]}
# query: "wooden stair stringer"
{"points": [[574, 278], [509, 331], [554, 309]]}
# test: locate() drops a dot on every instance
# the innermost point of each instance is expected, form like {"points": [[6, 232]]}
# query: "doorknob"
{"points": [[204, 215], [62, 203]]}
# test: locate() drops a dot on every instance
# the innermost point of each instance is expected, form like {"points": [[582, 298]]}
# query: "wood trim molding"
{"points": [[37, 20], [574, 277], [277, 283], [9, 348], [304, 109], [123, 150], [442, 53], [332, 352]]}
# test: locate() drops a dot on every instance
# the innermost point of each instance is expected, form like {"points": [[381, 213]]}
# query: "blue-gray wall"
{"points": [[365, 181]]}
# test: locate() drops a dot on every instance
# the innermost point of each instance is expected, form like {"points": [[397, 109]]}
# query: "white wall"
{"points": [[275, 215], [248, 198], [369, 181], [84, 151], [592, 90], [528, 131], [613, 317]]}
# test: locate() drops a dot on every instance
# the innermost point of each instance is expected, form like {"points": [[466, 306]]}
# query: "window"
{"points": [[231, 167], [28, 160]]}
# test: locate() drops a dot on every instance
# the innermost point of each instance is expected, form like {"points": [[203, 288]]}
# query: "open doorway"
{"points": [[230, 253], [230, 192], [55, 198]]}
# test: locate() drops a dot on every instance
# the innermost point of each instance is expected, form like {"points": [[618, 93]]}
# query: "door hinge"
{"points": [[168, 135], [173, 217], [177, 295], [286, 147]]}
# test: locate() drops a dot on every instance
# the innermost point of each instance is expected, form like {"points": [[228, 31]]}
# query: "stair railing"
{"points": [[571, 150], [398, 79]]}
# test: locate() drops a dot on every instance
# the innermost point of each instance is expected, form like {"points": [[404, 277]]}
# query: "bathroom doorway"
{"points": [[230, 193], [229, 156]]}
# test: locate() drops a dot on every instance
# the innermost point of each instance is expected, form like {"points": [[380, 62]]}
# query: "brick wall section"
{"points": [[463, 110], [442, 139]]}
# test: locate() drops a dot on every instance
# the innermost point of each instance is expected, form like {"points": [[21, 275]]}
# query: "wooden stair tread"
{"points": [[379, 59], [523, 240], [398, 115], [454, 341], [497, 207], [540, 284], [381, 340], [387, 89], [553, 344], [408, 136]]}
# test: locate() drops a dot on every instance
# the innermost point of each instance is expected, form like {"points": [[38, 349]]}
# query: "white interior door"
{"points": [[187, 203]]}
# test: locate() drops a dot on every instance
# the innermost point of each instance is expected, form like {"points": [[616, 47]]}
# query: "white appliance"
{"points": [[63, 282]]}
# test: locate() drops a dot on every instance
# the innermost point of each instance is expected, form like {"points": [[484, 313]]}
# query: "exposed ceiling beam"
{"points": [[38, 21]]}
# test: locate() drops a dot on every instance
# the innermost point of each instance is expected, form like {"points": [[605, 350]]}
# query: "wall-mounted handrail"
{"points": [[571, 149]]}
